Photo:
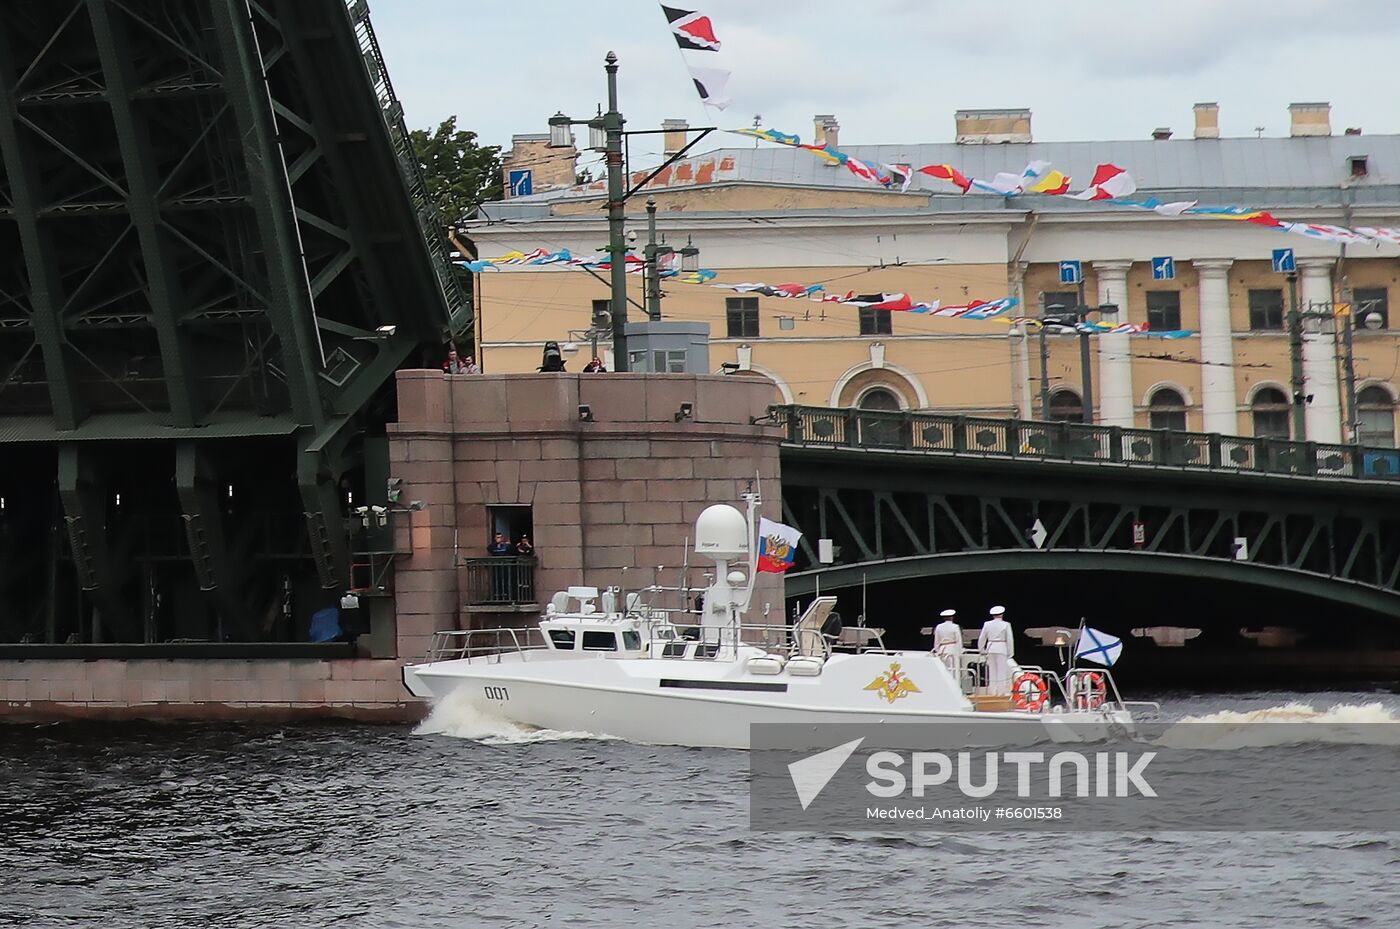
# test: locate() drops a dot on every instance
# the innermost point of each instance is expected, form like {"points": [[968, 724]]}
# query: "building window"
{"points": [[741, 314], [1266, 309], [875, 322], [602, 313], [1270, 409], [1166, 409], [1358, 165], [1064, 299], [1371, 301], [1066, 407], [879, 398], [1163, 309], [1375, 417], [668, 362]]}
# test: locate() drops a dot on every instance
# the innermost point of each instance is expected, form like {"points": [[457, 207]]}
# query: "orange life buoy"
{"points": [[1094, 690], [1028, 691]]}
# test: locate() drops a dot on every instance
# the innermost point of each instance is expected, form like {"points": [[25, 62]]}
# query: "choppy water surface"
{"points": [[470, 824]]}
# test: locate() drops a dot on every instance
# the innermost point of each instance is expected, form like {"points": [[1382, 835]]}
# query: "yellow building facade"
{"points": [[769, 216]]}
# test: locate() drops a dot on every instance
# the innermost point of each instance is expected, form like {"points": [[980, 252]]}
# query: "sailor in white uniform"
{"points": [[998, 645], [947, 641]]}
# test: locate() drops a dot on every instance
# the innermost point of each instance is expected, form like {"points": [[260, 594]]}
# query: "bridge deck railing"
{"points": [[952, 434]]}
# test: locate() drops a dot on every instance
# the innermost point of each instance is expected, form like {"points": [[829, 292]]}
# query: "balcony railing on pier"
{"points": [[500, 581], [939, 433]]}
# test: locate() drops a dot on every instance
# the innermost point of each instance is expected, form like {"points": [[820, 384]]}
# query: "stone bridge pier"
{"points": [[607, 472]]}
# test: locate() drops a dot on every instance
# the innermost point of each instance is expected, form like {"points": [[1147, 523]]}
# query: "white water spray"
{"points": [[457, 718], [1294, 723]]}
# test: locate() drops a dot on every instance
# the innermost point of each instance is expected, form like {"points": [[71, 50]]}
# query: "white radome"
{"points": [[722, 532]]}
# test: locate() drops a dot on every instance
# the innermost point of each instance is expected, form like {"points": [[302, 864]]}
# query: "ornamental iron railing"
{"points": [[952, 434]]}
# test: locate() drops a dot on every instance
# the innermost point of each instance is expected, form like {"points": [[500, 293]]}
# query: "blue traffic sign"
{"points": [[522, 182], [1164, 269], [1071, 272], [1283, 261]]}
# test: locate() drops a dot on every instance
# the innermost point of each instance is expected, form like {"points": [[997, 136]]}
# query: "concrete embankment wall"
{"points": [[620, 489], [215, 688]]}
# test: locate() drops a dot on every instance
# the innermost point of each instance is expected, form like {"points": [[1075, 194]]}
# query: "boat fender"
{"points": [[1028, 691]]}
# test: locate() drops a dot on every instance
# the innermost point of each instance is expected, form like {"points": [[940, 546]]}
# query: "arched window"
{"points": [[1375, 416], [1270, 409], [1066, 407], [1166, 409], [879, 398]]}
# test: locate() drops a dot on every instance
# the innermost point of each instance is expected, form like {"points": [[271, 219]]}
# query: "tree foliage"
{"points": [[461, 174]]}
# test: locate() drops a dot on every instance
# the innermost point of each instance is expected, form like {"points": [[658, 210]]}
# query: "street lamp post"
{"points": [[617, 205], [606, 129], [1064, 316]]}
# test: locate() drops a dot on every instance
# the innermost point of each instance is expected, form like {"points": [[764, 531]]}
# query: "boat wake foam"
{"points": [[1288, 724], [457, 718]]}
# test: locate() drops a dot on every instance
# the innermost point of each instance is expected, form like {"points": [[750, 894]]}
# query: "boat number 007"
{"points": [[496, 693]]}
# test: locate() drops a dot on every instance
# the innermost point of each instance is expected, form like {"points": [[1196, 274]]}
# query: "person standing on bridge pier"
{"points": [[947, 642], [997, 645]]}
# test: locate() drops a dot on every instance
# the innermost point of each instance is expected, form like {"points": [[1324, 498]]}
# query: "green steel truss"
{"points": [[209, 214]]}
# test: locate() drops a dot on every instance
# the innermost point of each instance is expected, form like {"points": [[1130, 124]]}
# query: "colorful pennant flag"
{"points": [[693, 31], [711, 84]]}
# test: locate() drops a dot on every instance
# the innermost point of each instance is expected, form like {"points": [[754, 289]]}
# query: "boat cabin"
{"points": [[582, 620]]}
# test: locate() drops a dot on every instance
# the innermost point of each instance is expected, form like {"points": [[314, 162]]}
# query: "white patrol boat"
{"points": [[616, 663]]}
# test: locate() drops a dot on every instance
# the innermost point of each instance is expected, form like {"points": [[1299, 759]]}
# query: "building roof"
{"points": [[1264, 172]]}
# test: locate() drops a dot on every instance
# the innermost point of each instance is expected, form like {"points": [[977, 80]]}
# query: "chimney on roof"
{"points": [[1207, 120], [986, 127], [1161, 134], [825, 129], [676, 135], [1308, 119]]}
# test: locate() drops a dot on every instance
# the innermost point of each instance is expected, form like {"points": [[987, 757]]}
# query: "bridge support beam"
{"points": [[1218, 404], [84, 494], [217, 573]]}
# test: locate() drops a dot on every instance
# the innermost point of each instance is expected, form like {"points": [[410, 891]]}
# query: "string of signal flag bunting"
{"points": [[1110, 184], [999, 309]]}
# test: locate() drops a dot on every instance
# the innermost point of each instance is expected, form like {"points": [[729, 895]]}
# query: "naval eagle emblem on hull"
{"points": [[893, 684]]}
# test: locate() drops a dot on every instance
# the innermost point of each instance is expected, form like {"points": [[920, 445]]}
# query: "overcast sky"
{"points": [[895, 70]]}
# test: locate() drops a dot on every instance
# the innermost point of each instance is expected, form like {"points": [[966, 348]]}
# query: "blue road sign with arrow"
{"points": [[522, 183], [1071, 272], [1283, 261], [1164, 269]]}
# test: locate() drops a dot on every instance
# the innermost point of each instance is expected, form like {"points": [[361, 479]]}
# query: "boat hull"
{"points": [[642, 704]]}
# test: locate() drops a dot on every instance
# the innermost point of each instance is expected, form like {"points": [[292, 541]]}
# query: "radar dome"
{"points": [[722, 532]]}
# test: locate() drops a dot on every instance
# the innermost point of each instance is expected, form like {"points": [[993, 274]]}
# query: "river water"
{"points": [[465, 822]]}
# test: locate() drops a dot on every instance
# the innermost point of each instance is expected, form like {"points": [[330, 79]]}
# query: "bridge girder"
{"points": [[918, 512], [1248, 574]]}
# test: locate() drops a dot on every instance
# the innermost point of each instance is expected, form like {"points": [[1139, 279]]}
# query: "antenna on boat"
{"points": [[861, 620], [685, 577]]}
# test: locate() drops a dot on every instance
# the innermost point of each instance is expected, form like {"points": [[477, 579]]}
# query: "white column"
{"points": [[1020, 348], [1218, 404], [1114, 391], [1323, 414]]}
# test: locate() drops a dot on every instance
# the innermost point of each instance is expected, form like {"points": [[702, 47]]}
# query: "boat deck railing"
{"points": [[484, 644]]}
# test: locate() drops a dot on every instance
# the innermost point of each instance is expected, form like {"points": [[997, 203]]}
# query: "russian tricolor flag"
{"points": [[777, 546]]}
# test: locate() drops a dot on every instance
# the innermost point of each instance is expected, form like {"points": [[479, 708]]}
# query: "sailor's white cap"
{"points": [[947, 613], [997, 610]]}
